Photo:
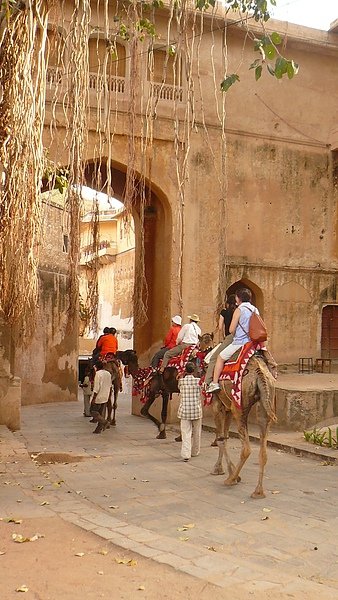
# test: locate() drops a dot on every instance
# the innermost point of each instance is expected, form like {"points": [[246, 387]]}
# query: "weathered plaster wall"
{"points": [[48, 365]]}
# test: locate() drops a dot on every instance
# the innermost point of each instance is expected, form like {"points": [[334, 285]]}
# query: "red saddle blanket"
{"points": [[142, 375], [234, 370], [138, 382], [180, 361]]}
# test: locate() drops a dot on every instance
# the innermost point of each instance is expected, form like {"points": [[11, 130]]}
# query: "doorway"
{"points": [[329, 341]]}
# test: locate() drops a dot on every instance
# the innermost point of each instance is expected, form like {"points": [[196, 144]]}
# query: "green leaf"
{"points": [[290, 70], [258, 72], [255, 63], [276, 38], [229, 81], [270, 51], [281, 67]]}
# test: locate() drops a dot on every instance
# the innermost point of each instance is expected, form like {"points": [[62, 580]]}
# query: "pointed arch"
{"points": [[257, 294]]}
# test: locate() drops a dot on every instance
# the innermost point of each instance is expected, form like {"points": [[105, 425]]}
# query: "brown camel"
{"points": [[258, 386], [114, 370]]}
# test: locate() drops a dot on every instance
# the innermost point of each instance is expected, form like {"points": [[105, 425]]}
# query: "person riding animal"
{"points": [[239, 328], [169, 341], [188, 336], [224, 322]]}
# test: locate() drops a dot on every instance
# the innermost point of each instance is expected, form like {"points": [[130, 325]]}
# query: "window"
{"points": [[65, 244], [166, 68], [98, 50]]}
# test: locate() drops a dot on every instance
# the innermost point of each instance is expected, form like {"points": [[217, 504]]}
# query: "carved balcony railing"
{"points": [[106, 253], [164, 91], [54, 75], [112, 84]]}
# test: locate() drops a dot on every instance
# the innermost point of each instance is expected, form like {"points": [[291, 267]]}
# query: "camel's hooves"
{"points": [[143, 412], [161, 436], [257, 495], [113, 423], [214, 444], [230, 482], [217, 472]]}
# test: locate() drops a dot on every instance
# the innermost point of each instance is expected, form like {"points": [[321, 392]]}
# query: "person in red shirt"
{"points": [[107, 343], [169, 341]]}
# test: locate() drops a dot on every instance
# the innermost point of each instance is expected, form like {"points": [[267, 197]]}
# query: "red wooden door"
{"points": [[330, 332]]}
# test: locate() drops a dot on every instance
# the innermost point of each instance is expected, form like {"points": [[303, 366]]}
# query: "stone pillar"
{"points": [[10, 387]]}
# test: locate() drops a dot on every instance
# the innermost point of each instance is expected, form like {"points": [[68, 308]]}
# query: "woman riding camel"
{"points": [[224, 323], [239, 328]]}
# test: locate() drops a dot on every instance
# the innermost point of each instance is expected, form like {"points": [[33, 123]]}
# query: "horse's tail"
{"points": [[266, 386]]}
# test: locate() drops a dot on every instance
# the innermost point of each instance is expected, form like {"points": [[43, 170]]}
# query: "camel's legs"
{"points": [[222, 418], [145, 410], [164, 413], [245, 452], [219, 417], [264, 422], [116, 387]]}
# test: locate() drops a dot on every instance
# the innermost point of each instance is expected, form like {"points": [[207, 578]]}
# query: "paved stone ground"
{"points": [[134, 491]]}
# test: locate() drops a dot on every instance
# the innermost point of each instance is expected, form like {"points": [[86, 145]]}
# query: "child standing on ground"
{"points": [[190, 413], [87, 392]]}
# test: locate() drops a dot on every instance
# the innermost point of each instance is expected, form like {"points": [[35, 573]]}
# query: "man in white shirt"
{"points": [[188, 336], [101, 394]]}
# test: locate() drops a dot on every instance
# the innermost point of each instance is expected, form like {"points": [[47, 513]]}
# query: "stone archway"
{"points": [[257, 294], [157, 250]]}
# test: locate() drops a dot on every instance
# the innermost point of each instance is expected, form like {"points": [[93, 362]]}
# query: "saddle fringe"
{"points": [[263, 374]]}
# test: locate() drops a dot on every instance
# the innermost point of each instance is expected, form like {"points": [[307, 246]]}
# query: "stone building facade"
{"points": [[277, 228]]}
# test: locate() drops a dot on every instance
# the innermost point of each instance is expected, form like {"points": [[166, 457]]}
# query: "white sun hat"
{"points": [[177, 320]]}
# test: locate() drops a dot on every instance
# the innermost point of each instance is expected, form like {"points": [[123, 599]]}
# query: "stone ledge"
{"points": [[10, 402]]}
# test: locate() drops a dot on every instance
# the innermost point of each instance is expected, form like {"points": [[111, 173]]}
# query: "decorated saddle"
{"points": [[180, 361], [234, 370], [143, 376]]}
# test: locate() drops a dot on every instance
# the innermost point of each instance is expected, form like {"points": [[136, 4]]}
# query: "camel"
{"points": [[164, 384], [114, 370], [258, 386]]}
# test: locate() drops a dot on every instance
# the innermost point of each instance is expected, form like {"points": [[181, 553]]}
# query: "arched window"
{"points": [[166, 68], [100, 51], [55, 48]]}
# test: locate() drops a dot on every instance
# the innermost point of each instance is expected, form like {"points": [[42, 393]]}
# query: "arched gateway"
{"points": [[157, 234]]}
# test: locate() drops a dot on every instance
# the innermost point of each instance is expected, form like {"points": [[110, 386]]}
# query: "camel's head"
{"points": [[206, 341], [127, 357]]}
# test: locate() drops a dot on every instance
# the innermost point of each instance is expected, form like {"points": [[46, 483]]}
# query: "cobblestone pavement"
{"points": [[133, 490]]}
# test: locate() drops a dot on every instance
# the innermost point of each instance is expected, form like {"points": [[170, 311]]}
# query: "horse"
{"points": [[164, 384], [258, 387]]}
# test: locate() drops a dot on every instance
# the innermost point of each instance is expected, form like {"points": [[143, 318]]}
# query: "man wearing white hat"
{"points": [[188, 336], [169, 341]]}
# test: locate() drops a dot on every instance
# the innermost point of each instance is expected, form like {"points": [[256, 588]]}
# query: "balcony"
{"points": [[109, 84], [54, 75], [106, 254], [164, 91]]}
